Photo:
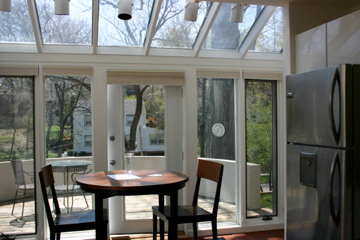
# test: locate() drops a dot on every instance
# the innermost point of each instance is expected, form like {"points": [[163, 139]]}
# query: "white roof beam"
{"points": [[210, 18], [256, 29], [152, 25], [36, 25], [95, 25]]}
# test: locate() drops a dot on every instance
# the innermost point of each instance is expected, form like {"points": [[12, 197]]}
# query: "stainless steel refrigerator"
{"points": [[323, 155]]}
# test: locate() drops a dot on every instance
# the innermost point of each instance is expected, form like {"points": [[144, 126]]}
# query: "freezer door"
{"points": [[318, 200], [319, 107]]}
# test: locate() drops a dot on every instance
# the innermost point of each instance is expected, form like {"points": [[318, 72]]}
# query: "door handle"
{"points": [[112, 162], [334, 167]]}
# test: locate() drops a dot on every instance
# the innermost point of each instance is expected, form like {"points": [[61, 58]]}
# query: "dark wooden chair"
{"points": [[193, 213], [63, 222]]}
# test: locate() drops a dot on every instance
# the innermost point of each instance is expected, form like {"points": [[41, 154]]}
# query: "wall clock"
{"points": [[218, 130]]}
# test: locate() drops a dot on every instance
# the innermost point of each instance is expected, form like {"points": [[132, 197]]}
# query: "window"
{"points": [[156, 139], [68, 115], [129, 120], [87, 120], [17, 156], [216, 139], [261, 145], [87, 141]]}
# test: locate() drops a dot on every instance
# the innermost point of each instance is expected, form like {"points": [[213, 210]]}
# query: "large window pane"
{"points": [[261, 146], [129, 33], [216, 140], [271, 37], [227, 35], [73, 29], [16, 25], [69, 136], [17, 198], [172, 31]]}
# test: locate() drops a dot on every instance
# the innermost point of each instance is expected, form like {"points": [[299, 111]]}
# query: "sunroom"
{"points": [[70, 84]]}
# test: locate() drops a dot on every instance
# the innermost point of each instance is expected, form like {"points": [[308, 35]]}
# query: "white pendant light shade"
{"points": [[237, 13], [62, 7], [191, 9], [5, 5], [125, 9]]}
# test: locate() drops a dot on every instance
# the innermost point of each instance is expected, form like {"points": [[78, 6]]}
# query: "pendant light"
{"points": [[191, 9], [237, 13], [5, 5], [125, 9], [62, 7]]}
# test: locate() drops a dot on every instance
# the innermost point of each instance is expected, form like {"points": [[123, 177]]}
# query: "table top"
{"points": [[69, 165], [140, 182]]}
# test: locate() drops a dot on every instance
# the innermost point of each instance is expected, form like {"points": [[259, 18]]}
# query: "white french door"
{"points": [[157, 144]]}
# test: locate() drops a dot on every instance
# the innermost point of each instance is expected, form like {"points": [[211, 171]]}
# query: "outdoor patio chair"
{"points": [[193, 213], [22, 185], [64, 222]]}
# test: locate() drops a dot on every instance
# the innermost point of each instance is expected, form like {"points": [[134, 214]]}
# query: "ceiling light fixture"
{"points": [[191, 9], [125, 9], [5, 5], [237, 13], [62, 7]]}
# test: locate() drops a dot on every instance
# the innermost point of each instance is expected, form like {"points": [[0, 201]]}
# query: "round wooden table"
{"points": [[141, 182]]}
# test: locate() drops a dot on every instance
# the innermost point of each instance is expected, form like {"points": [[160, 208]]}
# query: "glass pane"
{"points": [[116, 32], [73, 29], [69, 136], [261, 148], [144, 130], [17, 198], [16, 25], [172, 31], [227, 35], [271, 37], [216, 140]]}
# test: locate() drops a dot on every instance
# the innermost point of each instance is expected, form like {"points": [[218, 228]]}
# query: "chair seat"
{"points": [[185, 213], [67, 221]]}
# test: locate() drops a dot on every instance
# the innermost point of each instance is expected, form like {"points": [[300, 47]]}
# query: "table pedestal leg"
{"points": [[101, 229], [173, 225]]}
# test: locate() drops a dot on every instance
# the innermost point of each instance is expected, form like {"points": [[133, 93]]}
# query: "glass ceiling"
{"points": [[156, 25]]}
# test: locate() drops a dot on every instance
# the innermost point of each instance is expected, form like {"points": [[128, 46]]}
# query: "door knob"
{"points": [[112, 162]]}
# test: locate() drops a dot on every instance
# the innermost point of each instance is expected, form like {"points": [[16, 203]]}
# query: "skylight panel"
{"points": [[124, 33], [271, 37], [172, 31], [228, 35], [72, 29], [15, 26]]}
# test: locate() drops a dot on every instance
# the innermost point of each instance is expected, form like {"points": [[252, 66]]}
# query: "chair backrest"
{"points": [[46, 177], [212, 171], [18, 169]]}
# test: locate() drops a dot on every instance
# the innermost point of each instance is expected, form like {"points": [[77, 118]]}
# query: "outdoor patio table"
{"points": [[140, 182], [66, 167]]}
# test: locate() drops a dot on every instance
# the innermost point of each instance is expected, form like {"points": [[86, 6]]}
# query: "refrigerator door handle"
{"points": [[334, 167], [335, 106]]}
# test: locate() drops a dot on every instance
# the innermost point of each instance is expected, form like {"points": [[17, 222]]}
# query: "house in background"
{"points": [[150, 141]]}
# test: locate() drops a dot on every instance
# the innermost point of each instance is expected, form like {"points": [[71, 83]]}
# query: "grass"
{"points": [[266, 200]]}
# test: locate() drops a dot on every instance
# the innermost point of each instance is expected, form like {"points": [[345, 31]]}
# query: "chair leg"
{"points": [[22, 212], [195, 230], [52, 235], [214, 229], [154, 226], [162, 229], [15, 198], [58, 235]]}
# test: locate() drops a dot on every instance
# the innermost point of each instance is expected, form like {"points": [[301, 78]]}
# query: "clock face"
{"points": [[218, 130]]}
